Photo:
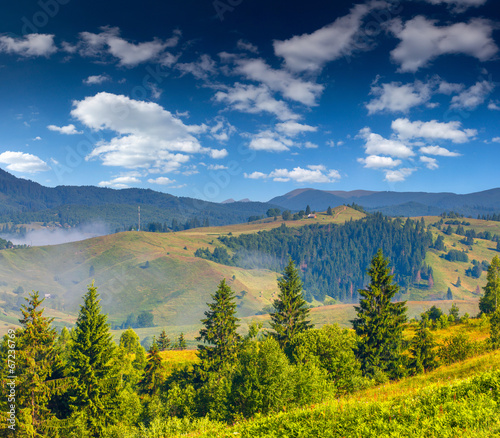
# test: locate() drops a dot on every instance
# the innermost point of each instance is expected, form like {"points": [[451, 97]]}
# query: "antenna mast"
{"points": [[139, 212]]}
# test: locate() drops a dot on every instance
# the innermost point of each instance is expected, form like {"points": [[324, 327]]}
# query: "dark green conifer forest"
{"points": [[332, 258]]}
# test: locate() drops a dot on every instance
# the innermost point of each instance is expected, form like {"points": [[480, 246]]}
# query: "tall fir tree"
{"points": [[488, 303], [291, 311], [163, 341], [37, 366], [219, 332], [91, 364], [153, 373], [379, 321]]}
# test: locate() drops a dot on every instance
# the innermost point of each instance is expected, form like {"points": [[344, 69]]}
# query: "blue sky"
{"points": [[252, 99]]}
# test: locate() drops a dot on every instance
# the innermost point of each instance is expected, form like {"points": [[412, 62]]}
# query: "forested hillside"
{"points": [[333, 258], [25, 201]]}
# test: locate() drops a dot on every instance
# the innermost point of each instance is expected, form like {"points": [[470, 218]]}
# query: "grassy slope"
{"points": [[407, 407], [404, 401], [175, 287], [446, 273]]}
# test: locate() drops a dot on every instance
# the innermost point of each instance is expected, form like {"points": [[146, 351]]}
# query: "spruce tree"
{"points": [[291, 312], [454, 313], [153, 373], [379, 321], [91, 365], [219, 332], [422, 349], [495, 329], [163, 341], [182, 342], [37, 363], [488, 303], [449, 294]]}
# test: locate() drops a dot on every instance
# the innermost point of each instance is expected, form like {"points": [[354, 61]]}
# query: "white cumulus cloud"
{"points": [[270, 141], [375, 144], [254, 100], [458, 5], [398, 175], [96, 79], [378, 162], [437, 150], [161, 180], [22, 162], [201, 69], [291, 128], [290, 87], [433, 130], [148, 136], [68, 130], [422, 40], [31, 45], [398, 97], [310, 52], [108, 42], [311, 174], [430, 163], [121, 182], [472, 97]]}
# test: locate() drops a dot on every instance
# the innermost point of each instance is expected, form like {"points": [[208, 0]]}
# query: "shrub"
{"points": [[331, 349], [264, 381], [457, 348]]}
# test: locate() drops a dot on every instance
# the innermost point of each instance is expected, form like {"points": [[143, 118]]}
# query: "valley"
{"points": [[158, 273]]}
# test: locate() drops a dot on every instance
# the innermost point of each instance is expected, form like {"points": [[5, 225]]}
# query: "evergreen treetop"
{"points": [[422, 349], [182, 342], [379, 321], [219, 331], [37, 362], [488, 303], [291, 311], [163, 341], [153, 373], [91, 365]]}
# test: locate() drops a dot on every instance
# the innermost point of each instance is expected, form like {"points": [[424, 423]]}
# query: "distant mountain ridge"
{"points": [[27, 201], [394, 203]]}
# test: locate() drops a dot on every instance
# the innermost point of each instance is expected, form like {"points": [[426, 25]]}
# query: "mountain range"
{"points": [[394, 203], [25, 201]]}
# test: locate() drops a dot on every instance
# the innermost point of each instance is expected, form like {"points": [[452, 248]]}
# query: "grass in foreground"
{"points": [[447, 402]]}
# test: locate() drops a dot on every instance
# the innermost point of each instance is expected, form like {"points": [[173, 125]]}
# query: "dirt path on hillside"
{"points": [[340, 211]]}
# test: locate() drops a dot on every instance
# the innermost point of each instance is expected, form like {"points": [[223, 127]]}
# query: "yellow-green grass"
{"points": [[177, 359], [370, 402], [340, 215]]}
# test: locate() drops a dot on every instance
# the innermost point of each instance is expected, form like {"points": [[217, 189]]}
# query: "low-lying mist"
{"points": [[56, 236]]}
